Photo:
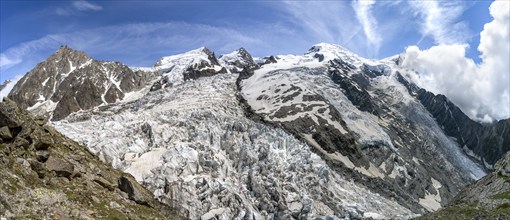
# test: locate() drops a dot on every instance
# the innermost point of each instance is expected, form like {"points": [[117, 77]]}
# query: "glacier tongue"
{"points": [[192, 145]]}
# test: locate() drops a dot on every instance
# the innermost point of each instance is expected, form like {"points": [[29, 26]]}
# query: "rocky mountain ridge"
{"points": [[342, 117], [484, 142], [70, 80]]}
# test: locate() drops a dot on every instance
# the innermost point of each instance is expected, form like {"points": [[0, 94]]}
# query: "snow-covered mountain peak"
{"points": [[190, 65], [238, 60], [327, 47], [326, 52], [192, 56]]}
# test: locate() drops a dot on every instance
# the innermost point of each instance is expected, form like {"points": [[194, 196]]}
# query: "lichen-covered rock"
{"points": [[59, 166], [21, 142], [42, 155], [105, 183], [38, 167], [5, 133]]}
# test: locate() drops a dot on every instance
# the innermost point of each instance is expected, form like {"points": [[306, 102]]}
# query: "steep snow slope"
{"points": [[192, 145]]}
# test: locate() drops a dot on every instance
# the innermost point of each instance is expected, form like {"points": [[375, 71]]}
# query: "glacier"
{"points": [[193, 147], [218, 146]]}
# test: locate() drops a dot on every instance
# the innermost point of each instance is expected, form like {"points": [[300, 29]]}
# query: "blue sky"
{"points": [[139, 32]]}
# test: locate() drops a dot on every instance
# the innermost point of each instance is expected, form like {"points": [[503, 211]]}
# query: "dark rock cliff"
{"points": [[486, 142]]}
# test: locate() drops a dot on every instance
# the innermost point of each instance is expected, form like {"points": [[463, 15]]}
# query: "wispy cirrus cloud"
{"points": [[440, 20], [86, 6], [78, 6], [363, 9], [329, 21]]}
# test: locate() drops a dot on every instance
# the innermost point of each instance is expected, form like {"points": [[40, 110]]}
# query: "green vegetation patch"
{"points": [[503, 195]]}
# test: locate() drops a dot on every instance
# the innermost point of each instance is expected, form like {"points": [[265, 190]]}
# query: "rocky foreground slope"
{"points": [[488, 198], [44, 175]]}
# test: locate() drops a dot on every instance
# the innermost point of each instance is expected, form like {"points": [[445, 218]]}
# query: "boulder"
{"points": [[104, 183], [5, 133], [42, 155], [60, 166], [10, 115], [135, 192], [44, 141], [21, 142], [40, 120], [38, 167]]}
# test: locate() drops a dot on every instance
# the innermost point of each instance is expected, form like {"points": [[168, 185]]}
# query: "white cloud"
{"points": [[440, 20], [6, 62], [86, 6], [363, 10], [76, 7], [482, 90]]}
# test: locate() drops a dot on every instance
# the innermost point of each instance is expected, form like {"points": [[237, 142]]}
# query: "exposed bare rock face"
{"points": [[70, 80], [485, 143]]}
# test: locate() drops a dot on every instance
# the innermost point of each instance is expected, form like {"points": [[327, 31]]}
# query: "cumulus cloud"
{"points": [[440, 20], [363, 11], [78, 6], [481, 90]]}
